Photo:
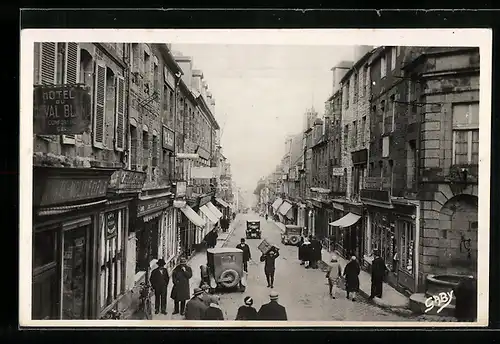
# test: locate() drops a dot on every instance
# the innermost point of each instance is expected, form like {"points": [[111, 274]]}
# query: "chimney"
{"points": [[186, 64]]}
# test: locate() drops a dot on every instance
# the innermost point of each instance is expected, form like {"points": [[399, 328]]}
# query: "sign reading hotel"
{"points": [[168, 139], [61, 110]]}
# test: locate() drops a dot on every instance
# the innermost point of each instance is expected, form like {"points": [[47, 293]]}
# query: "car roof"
{"points": [[223, 250]]}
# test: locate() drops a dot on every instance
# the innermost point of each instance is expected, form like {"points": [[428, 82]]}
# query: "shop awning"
{"points": [[192, 216], [346, 221], [214, 210], [211, 216], [222, 202], [285, 208], [277, 203]]}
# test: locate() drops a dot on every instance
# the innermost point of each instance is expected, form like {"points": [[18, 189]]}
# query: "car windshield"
{"points": [[228, 258], [293, 230]]}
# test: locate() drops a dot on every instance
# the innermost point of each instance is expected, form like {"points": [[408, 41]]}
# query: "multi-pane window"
{"points": [[394, 55], [382, 111], [465, 134], [354, 134], [155, 151], [346, 136], [356, 88], [133, 147], [393, 112], [363, 129], [411, 170], [407, 245], [347, 95], [145, 149], [111, 259]]}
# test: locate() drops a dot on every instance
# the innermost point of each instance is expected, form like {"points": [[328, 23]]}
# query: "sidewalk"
{"points": [[391, 300], [195, 262]]}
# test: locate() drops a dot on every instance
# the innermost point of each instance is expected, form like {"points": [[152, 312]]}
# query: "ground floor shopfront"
{"points": [[79, 243], [346, 231]]}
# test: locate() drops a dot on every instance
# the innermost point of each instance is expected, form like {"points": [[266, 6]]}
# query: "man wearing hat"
{"points": [[206, 297], [247, 312], [180, 291], [159, 281], [247, 255], [378, 274], [195, 308], [272, 310], [269, 265]]}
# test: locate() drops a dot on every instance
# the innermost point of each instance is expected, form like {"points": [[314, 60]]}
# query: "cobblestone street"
{"points": [[304, 292]]}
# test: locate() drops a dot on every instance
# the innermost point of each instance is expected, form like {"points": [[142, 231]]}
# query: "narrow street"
{"points": [[304, 292]]}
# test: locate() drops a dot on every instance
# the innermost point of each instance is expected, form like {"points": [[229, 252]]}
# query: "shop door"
{"points": [[74, 273]]}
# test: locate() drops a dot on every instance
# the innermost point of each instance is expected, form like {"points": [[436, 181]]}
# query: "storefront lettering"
{"points": [[111, 223], [65, 190], [153, 205], [127, 180], [441, 300]]}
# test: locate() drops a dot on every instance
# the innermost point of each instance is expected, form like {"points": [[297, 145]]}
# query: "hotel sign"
{"points": [[381, 196], [61, 110], [168, 139], [126, 181], [337, 172], [180, 189], [146, 207]]}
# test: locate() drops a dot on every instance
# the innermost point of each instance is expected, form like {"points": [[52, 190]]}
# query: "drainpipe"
{"points": [[177, 82], [129, 84], [416, 250]]}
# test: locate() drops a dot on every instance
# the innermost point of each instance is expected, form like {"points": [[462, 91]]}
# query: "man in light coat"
{"points": [[195, 307], [334, 274]]}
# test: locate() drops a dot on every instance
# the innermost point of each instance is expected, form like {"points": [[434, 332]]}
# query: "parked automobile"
{"points": [[253, 229], [291, 235], [224, 269]]}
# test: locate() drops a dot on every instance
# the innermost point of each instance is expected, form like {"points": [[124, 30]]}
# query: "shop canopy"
{"points": [[277, 203], [285, 208], [211, 216], [214, 210], [192, 216], [346, 221], [222, 202]]}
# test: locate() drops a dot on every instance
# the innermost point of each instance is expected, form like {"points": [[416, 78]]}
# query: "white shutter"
{"points": [[48, 63], [99, 104], [120, 114], [71, 75]]}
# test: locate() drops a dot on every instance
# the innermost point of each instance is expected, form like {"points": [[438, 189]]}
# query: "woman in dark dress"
{"points": [[247, 312], [351, 273]]}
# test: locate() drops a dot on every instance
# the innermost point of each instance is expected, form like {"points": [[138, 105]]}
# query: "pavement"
{"points": [[195, 262]]}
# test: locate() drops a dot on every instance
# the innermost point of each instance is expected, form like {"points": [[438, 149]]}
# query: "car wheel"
{"points": [[294, 240], [229, 278]]}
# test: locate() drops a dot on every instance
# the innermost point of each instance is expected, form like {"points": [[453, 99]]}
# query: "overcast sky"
{"points": [[261, 93]]}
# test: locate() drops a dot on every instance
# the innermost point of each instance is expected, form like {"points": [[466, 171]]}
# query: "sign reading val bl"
{"points": [[61, 110]]}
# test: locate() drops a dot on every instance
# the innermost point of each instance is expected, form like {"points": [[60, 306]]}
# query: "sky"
{"points": [[261, 94]]}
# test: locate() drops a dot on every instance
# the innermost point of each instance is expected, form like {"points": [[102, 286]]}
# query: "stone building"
{"points": [[355, 84], [444, 84]]}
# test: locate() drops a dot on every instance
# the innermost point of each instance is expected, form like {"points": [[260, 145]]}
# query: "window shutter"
{"points": [[72, 64], [48, 62], [71, 75], [99, 101], [120, 114]]}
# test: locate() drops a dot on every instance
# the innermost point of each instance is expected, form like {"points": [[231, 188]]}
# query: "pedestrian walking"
{"points": [[272, 310], [247, 311], [213, 235], [334, 274], [267, 216], [195, 307], [306, 252], [379, 271], [300, 245], [180, 290], [159, 281], [247, 255], [351, 273], [214, 311], [315, 252], [269, 260]]}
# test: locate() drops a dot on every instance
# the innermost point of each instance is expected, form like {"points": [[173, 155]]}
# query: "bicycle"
{"points": [[145, 306]]}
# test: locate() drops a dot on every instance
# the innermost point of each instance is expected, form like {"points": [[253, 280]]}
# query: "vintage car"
{"points": [[253, 229], [224, 269], [291, 235]]}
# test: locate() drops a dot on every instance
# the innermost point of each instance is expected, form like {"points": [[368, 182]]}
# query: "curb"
{"points": [[399, 309]]}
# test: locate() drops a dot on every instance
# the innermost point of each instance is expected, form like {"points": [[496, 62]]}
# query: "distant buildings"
{"points": [[392, 165]]}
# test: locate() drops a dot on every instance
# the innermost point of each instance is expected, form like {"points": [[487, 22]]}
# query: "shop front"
{"points": [[301, 215], [392, 231], [275, 207], [285, 213], [224, 207], [67, 203], [349, 237], [190, 224]]}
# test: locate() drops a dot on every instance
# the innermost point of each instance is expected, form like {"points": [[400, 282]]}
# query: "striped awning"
{"points": [[192, 216], [214, 210], [285, 208], [211, 216], [222, 202], [346, 221]]}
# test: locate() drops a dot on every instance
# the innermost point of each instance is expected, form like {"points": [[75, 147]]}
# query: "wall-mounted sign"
{"points": [[180, 189], [61, 110], [126, 181], [179, 203], [168, 139], [152, 205], [382, 196], [337, 172], [360, 157], [203, 153], [111, 224]]}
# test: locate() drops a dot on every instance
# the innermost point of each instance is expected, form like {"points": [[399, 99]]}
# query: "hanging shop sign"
{"points": [[178, 203], [359, 157], [58, 185], [149, 206], [126, 181], [180, 189], [204, 200], [111, 224], [61, 110], [337, 171], [168, 139], [203, 153]]}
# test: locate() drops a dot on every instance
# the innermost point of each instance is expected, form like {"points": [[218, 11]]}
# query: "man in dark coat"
{"points": [[315, 252], [247, 255], [378, 274], [159, 281], [272, 310], [351, 273], [213, 312], [247, 312], [300, 245], [180, 291], [269, 260], [212, 238], [195, 308]]}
